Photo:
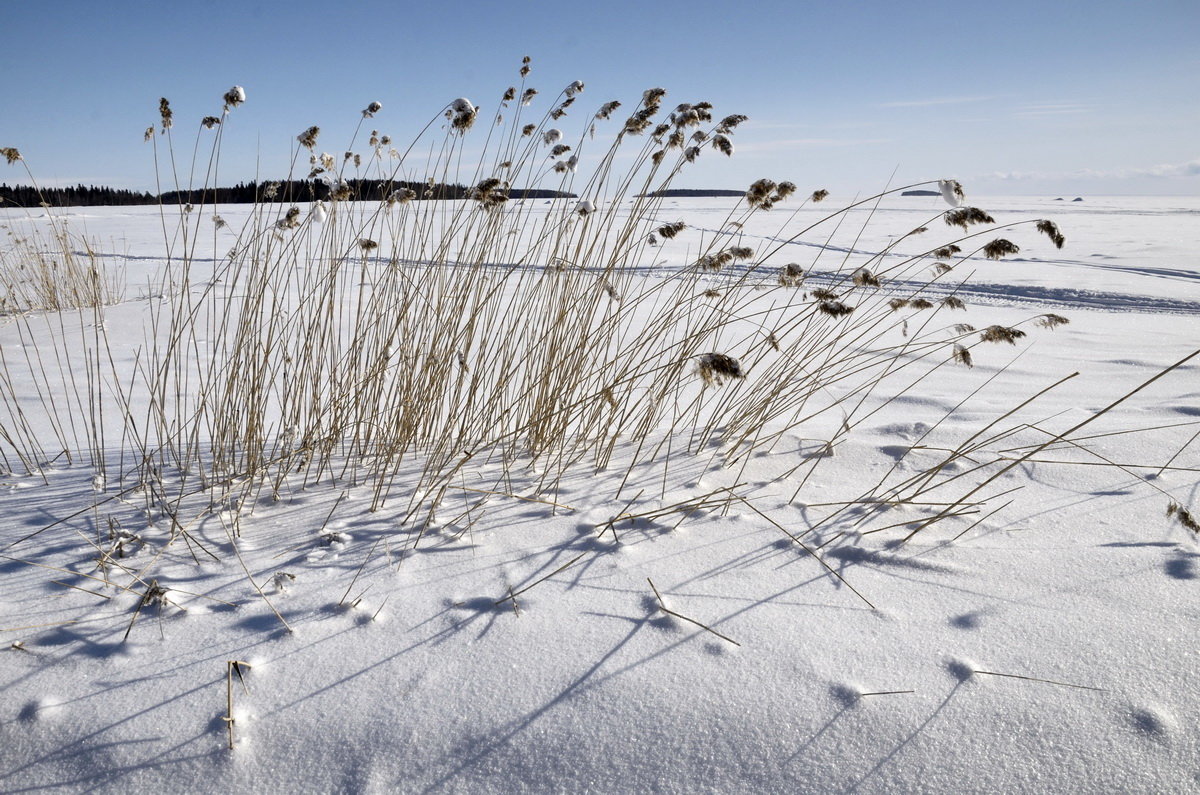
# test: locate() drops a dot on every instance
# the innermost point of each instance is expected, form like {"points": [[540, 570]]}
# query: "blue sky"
{"points": [[1011, 97]]}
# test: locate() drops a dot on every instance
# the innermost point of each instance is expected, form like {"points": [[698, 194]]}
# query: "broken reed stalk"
{"points": [[514, 594], [662, 606], [232, 667]]}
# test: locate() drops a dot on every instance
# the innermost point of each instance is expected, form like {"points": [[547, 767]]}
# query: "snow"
{"points": [[1043, 641]]}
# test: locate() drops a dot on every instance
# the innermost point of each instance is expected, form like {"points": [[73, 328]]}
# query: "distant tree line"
{"points": [[246, 193], [78, 195]]}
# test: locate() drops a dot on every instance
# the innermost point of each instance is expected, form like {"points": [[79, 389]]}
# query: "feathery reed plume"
{"points": [[370, 110], [270, 190], [963, 328], [491, 192], [920, 230], [290, 220], [574, 88], [606, 109], [164, 110], [208, 122], [821, 294], [669, 231], [585, 208], [401, 196], [711, 293], [525, 68], [898, 303], [461, 114], [953, 302], [741, 252], [759, 194], [940, 268], [952, 192], [1050, 230], [965, 216], [962, 355], [551, 136], [528, 129], [510, 94], [1183, 516], [234, 97], [920, 304], [561, 110], [864, 278], [570, 164], [528, 95], [367, 244], [218, 222], [1051, 320], [999, 248], [715, 368], [946, 252], [12, 155], [791, 275], [714, 262], [834, 308], [1001, 334], [729, 123], [783, 190], [723, 145], [819, 195], [559, 150], [308, 138], [146, 136]]}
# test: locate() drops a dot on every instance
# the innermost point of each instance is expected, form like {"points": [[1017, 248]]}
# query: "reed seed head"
{"points": [[606, 109], [1050, 230], [11, 155], [722, 144], [308, 138], [962, 355], [963, 328], [715, 368], [461, 114], [1051, 321], [898, 303], [946, 252], [552, 136], [759, 194], [952, 192], [370, 110], [834, 308], [953, 302], [791, 275], [819, 195], [864, 278], [509, 95], [234, 97], [1001, 334], [366, 244], [149, 133], [729, 123], [165, 112], [585, 208], [920, 304], [999, 248], [822, 294], [965, 216], [940, 268], [574, 88], [208, 122], [669, 231], [1183, 516]]}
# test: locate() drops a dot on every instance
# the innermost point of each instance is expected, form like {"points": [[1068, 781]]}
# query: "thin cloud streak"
{"points": [[934, 101]]}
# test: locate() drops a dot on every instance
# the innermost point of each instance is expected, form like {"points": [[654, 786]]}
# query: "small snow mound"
{"points": [[961, 668], [1151, 721], [846, 694]]}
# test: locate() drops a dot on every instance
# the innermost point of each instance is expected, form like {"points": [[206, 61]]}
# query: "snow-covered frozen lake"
{"points": [[1040, 636]]}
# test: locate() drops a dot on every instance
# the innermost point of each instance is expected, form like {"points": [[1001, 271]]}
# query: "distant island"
{"points": [[921, 193]]}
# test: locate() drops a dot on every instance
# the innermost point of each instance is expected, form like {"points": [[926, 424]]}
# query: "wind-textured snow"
{"points": [[1050, 648]]}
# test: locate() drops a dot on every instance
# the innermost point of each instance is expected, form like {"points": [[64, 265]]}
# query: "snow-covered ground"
{"points": [[1041, 636]]}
